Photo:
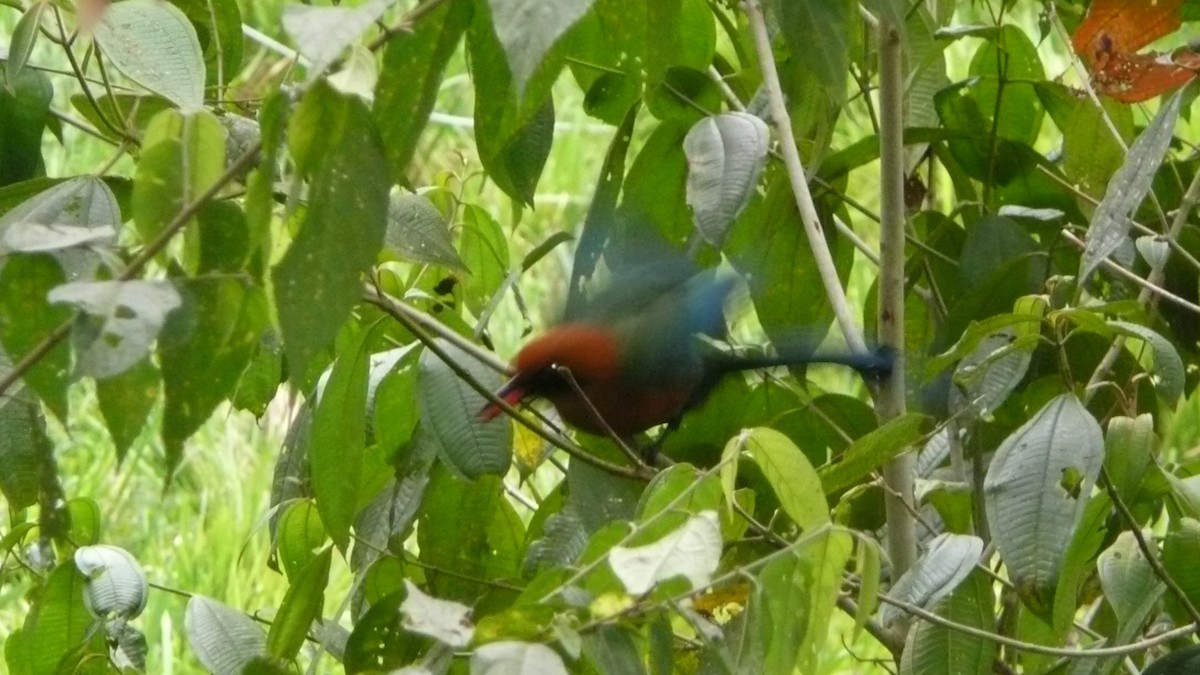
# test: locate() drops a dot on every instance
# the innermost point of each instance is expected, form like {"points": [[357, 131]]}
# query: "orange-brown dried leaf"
{"points": [[1132, 78], [1124, 26]]}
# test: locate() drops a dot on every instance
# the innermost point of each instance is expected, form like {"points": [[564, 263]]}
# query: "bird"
{"points": [[643, 352]]}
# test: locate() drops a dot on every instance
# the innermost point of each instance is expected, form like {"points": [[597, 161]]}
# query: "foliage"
{"points": [[263, 222]]}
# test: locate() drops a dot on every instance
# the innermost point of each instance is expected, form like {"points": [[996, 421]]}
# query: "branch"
{"points": [[795, 171], [181, 220]]}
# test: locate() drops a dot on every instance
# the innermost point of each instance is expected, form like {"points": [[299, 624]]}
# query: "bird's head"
{"points": [[589, 353]]}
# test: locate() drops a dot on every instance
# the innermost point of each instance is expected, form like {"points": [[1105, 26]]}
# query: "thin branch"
{"points": [[799, 182], [608, 430], [1146, 286]]}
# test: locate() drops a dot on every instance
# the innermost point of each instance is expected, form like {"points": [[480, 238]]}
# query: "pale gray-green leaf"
{"points": [[1154, 250], [1036, 488], [224, 639], [24, 37], [726, 154], [116, 583], [692, 551], [516, 658], [1168, 365], [1128, 187], [1128, 580], [527, 29], [986, 377], [128, 316], [443, 620], [944, 565], [152, 43], [67, 220], [451, 408], [322, 33], [417, 230]]}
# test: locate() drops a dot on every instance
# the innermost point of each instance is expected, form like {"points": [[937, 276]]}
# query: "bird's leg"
{"points": [[650, 452], [633, 456]]}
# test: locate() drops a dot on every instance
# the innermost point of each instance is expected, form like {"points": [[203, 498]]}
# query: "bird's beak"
{"points": [[512, 392]]}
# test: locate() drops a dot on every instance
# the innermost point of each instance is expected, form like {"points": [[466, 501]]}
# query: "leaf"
{"points": [[817, 35], [1181, 548], [1168, 366], [790, 474], [869, 570], [21, 427], [299, 536], [413, 67], [55, 626], [725, 153], [450, 408], [445, 621], [24, 37], [945, 564], [116, 583], [183, 154], [1035, 491], [67, 220], [24, 115], [338, 437], [417, 230], [990, 373], [527, 29], [154, 44], [516, 164], [323, 33], [301, 605], [1128, 187], [872, 451], [224, 639], [218, 24], [1006, 67], [801, 593], [931, 648], [611, 650], [1182, 660], [683, 487], [516, 658], [692, 552], [124, 318], [1129, 582], [205, 348], [27, 319], [319, 279], [485, 254]]}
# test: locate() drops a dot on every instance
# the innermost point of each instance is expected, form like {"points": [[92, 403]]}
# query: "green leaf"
{"points": [[21, 423], [817, 36], [931, 648], [338, 437], [413, 66], [123, 319], [262, 377], [323, 33], [1129, 447], [1129, 582], [679, 33], [1182, 660], [703, 494], [450, 408], [987, 376], [655, 188], [85, 521], [417, 231], [1168, 366], [183, 154], [223, 639], [1006, 67], [516, 164], [873, 451], [301, 605], [459, 550], [218, 25], [1035, 491], [57, 625], [485, 254], [319, 279], [1128, 187], [1181, 548], [607, 52], [611, 650], [24, 114], [205, 348], [801, 593], [726, 154], [26, 319], [299, 535], [945, 564], [527, 29], [154, 44], [1090, 152], [790, 474], [24, 37], [868, 566]]}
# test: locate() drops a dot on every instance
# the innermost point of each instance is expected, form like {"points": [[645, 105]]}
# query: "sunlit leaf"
{"points": [[154, 44], [123, 319], [116, 583], [692, 551]]}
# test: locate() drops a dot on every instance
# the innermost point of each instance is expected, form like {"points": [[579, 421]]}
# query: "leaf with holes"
{"points": [[122, 319]]}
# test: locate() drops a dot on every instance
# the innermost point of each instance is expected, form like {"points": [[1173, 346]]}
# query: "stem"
{"points": [[890, 404], [795, 169]]}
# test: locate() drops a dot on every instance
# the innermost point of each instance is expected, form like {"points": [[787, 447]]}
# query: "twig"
{"points": [[608, 430], [391, 305], [1146, 286]]}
